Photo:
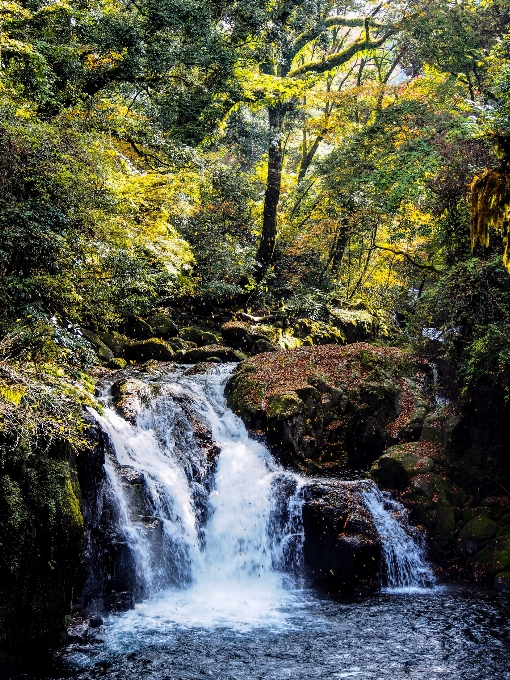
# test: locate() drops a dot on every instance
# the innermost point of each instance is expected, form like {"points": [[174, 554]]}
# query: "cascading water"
{"points": [[403, 552], [216, 536], [223, 541]]}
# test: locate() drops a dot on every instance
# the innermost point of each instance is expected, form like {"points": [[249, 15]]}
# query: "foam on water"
{"points": [[241, 565]]}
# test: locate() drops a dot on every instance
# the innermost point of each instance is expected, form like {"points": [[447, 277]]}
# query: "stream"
{"points": [[214, 554]]}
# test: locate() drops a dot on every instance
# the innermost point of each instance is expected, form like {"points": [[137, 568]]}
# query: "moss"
{"points": [[494, 558], [479, 529], [41, 537], [199, 336], [396, 468], [281, 406]]}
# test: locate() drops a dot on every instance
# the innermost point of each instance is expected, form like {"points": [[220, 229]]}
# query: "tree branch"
{"points": [[401, 253], [339, 58]]}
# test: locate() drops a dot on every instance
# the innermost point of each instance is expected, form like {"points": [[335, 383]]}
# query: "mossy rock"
{"points": [[42, 539], [317, 333], [224, 354], [494, 558], [115, 341], [247, 338], [200, 337], [162, 325], [355, 324], [501, 582], [475, 534], [145, 350], [102, 350], [395, 469], [282, 406]]}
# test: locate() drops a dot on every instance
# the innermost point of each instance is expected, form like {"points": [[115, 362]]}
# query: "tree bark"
{"points": [[265, 253]]}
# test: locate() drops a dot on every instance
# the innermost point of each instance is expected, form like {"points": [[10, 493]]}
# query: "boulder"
{"points": [[200, 337], [149, 349], [356, 325], [127, 395], [162, 325], [247, 338], [102, 350], [341, 549], [395, 469], [211, 352], [493, 559], [475, 534], [322, 407], [318, 333], [501, 582], [115, 341]]}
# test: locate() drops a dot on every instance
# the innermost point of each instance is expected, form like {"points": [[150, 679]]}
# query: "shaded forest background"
{"points": [[291, 157]]}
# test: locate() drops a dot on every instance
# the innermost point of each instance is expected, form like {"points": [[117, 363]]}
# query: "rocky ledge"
{"points": [[330, 407]]}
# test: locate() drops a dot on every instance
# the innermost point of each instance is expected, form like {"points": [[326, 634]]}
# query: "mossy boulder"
{"points": [[395, 469], [475, 534], [494, 558], [162, 325], [318, 333], [145, 350], [128, 395], [356, 325], [211, 352], [322, 407], [41, 537], [501, 582], [199, 336], [247, 337], [102, 349]]}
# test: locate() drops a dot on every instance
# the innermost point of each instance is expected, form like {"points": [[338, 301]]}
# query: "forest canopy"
{"points": [[271, 156]]}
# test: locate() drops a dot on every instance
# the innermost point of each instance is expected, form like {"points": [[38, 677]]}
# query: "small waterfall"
{"points": [[403, 551], [224, 527]]}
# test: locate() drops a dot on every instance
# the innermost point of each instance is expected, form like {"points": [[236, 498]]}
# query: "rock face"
{"points": [[329, 406], [342, 549], [41, 539]]}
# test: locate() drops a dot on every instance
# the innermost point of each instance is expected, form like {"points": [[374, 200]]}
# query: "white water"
{"points": [[241, 567], [405, 567]]}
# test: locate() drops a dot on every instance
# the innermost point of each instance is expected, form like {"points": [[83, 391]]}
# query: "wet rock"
{"points": [[127, 395], [341, 548], [201, 354], [121, 602], [501, 582], [115, 341], [95, 621], [145, 350], [77, 632]]}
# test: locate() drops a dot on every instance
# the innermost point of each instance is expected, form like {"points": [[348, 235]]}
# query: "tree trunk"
{"points": [[265, 253]]}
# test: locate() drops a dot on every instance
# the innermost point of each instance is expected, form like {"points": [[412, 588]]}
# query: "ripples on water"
{"points": [[458, 633]]}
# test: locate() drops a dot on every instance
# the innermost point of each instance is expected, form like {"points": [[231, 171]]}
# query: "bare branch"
{"points": [[401, 253]]}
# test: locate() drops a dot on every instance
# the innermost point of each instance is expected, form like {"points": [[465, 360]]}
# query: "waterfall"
{"points": [[213, 535], [402, 548], [208, 527]]}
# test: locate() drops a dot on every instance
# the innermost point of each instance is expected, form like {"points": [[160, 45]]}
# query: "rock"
{"points": [[341, 548], [318, 333], [121, 602], [395, 469], [117, 363], [162, 325], [218, 352], [501, 582], [247, 338], [136, 327], [115, 341], [127, 395], [199, 369], [95, 621], [77, 632], [322, 407], [149, 349], [493, 558], [103, 351], [200, 337], [354, 324], [475, 534]]}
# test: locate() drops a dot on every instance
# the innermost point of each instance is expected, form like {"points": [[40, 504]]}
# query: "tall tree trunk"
{"points": [[265, 253]]}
